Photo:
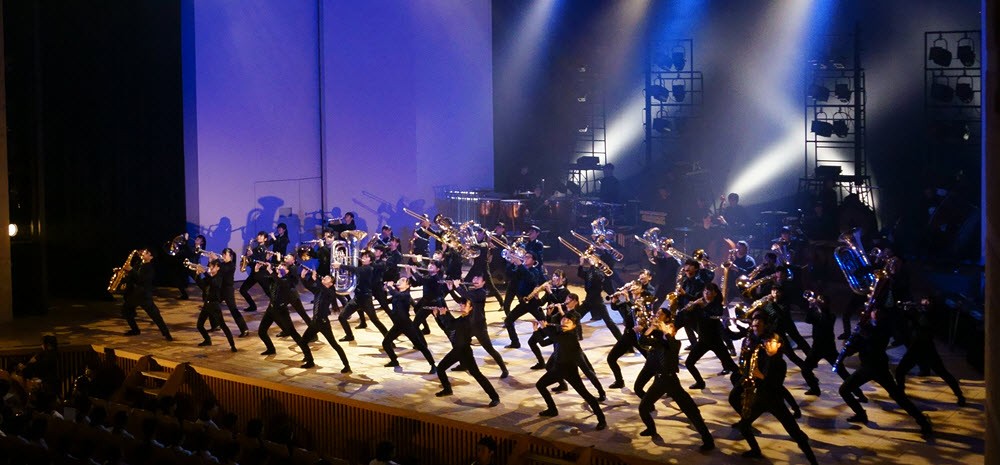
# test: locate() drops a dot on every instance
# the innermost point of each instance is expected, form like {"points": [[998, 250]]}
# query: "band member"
{"points": [[210, 281], [365, 274], [293, 298], [402, 325], [634, 297], [477, 294], [693, 281], [711, 332], [662, 356], [139, 293], [326, 298], [758, 387], [258, 253], [665, 271], [570, 308], [323, 252], [379, 268], [393, 258], [339, 225], [481, 265], [420, 243], [610, 188], [452, 260], [434, 289], [459, 331], [555, 294], [920, 349], [824, 346], [528, 275], [498, 266], [735, 215], [742, 265], [534, 246], [767, 267], [563, 365], [789, 295], [278, 240], [277, 310], [227, 269], [593, 302]]}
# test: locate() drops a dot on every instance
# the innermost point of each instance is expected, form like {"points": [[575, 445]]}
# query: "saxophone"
{"points": [[115, 285], [749, 381]]}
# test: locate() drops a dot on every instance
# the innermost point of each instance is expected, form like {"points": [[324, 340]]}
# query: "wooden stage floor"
{"points": [[891, 437]]}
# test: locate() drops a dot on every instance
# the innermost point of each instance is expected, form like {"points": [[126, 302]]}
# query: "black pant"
{"points": [[464, 356], [361, 303], [880, 374], [229, 296], [321, 325], [707, 344], [401, 325], [279, 316], [925, 353], [537, 337], [211, 310], [482, 334], [421, 310], [509, 296], [667, 383], [570, 374], [296, 304], [128, 313], [612, 326], [520, 310], [822, 351], [625, 345], [775, 405], [245, 291]]}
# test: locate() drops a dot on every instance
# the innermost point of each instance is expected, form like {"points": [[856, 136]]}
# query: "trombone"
{"points": [[594, 260], [601, 244]]}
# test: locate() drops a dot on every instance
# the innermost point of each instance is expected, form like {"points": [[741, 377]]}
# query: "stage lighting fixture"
{"points": [[819, 92], [662, 123], [821, 127], [840, 124], [678, 57], [659, 91], [939, 52], [664, 61], [12, 230], [963, 89], [966, 54], [843, 92], [941, 91], [679, 89]]}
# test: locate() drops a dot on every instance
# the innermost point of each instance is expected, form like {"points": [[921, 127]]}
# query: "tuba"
{"points": [[346, 252], [854, 263], [467, 238], [115, 285]]}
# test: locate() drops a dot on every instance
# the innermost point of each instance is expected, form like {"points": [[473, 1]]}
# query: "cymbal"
{"points": [[684, 229], [774, 212]]}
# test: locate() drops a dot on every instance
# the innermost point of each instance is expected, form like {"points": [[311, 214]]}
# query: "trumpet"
{"points": [[191, 265], [591, 257], [601, 244]]}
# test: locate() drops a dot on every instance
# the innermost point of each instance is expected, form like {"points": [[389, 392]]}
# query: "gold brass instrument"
{"points": [[595, 245], [780, 248], [854, 263], [591, 257], [466, 236], [702, 257], [513, 251], [116, 284], [745, 313], [345, 252], [600, 233], [544, 287], [176, 245], [653, 242], [191, 265], [746, 286], [726, 266], [750, 381]]}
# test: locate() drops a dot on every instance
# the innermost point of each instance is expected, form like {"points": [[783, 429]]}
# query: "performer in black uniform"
{"points": [[593, 302], [402, 325], [257, 252], [227, 269], [498, 266], [758, 387], [421, 241], [434, 289], [635, 297], [570, 308], [210, 281], [323, 253], [477, 294], [690, 288], [459, 331], [555, 295], [662, 355], [481, 265], [277, 311], [380, 268], [665, 271], [564, 365], [384, 237], [293, 298], [278, 240], [710, 329], [534, 246], [326, 298], [139, 293], [743, 264], [364, 274], [528, 276], [393, 258], [920, 349], [452, 260], [824, 346]]}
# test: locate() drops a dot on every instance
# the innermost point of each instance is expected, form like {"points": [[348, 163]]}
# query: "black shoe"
{"points": [[513, 345], [132, 332], [361, 326], [560, 388], [244, 333], [460, 368], [858, 418], [603, 397], [549, 412], [700, 385], [308, 364], [444, 392], [433, 370], [687, 349], [426, 331], [707, 445], [602, 425], [648, 433], [926, 430], [725, 372], [961, 400], [233, 349], [346, 339], [494, 402], [797, 413], [504, 374], [394, 363], [250, 309], [315, 338], [616, 385], [268, 352], [752, 454], [538, 366], [169, 338], [345, 370], [204, 343], [813, 391], [282, 334]]}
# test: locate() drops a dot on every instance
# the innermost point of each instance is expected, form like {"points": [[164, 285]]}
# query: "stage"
{"points": [[891, 437]]}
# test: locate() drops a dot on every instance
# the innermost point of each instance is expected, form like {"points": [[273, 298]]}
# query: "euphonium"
{"points": [[594, 260], [651, 240], [854, 263], [746, 313], [467, 238], [115, 285], [746, 286], [345, 252]]}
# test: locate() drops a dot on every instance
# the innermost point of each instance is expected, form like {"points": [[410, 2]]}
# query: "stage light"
{"points": [[819, 92], [966, 54], [939, 53], [12, 229], [659, 91], [678, 57], [840, 128], [821, 127], [662, 123], [941, 91], [679, 89], [963, 89], [843, 92]]}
